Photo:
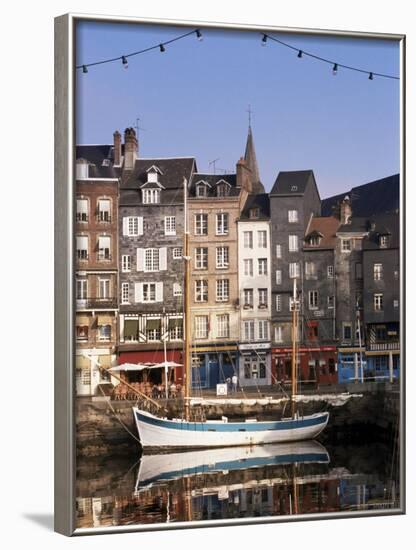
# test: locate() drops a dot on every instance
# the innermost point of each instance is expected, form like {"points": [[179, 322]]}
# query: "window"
{"points": [[153, 329], [223, 324], [378, 272], [278, 251], [330, 271], [201, 224], [315, 240], [104, 209], [312, 330], [294, 270], [151, 196], [201, 291], [177, 253], [293, 243], [151, 259], [222, 190], [201, 190], [262, 239], [104, 332], [263, 298], [81, 289], [82, 210], [278, 302], [262, 262], [292, 216], [223, 290], [82, 333], [383, 241], [132, 226], [170, 225], [104, 288], [310, 270], [358, 270], [248, 267], [248, 298], [82, 247], [313, 299], [255, 367], [248, 239], [278, 276], [104, 244], [125, 293], [201, 326], [148, 292], [346, 331], [177, 289], [201, 258], [278, 333], [125, 263], [222, 257], [395, 303], [152, 175], [221, 226], [263, 330], [331, 302], [345, 245], [248, 330], [254, 213], [175, 328], [378, 302]]}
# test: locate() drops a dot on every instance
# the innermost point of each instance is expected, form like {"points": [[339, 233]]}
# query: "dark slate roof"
{"points": [[251, 161], [324, 226], [213, 180], [371, 198], [260, 201], [173, 171], [383, 224], [293, 183], [95, 155], [356, 225]]}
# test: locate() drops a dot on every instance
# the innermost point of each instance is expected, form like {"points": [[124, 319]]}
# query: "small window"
{"points": [[201, 326], [254, 213], [294, 270], [201, 258], [330, 272], [383, 241], [395, 303], [201, 291], [378, 302], [125, 293], [201, 224], [221, 224], [170, 225], [293, 243], [82, 210], [104, 210], [177, 253], [222, 256], [223, 290], [278, 276], [151, 196], [262, 263], [278, 251], [262, 239], [223, 325], [293, 216], [177, 289], [104, 332], [378, 272], [222, 190], [345, 245], [104, 247], [263, 301], [125, 263], [248, 267], [313, 299], [331, 302], [248, 298], [248, 239], [202, 190], [278, 302], [346, 331]]}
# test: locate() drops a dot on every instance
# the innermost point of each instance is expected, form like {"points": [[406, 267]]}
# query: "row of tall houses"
{"points": [[246, 248]]}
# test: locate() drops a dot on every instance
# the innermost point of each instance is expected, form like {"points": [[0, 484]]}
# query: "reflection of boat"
{"points": [[156, 432], [159, 468]]}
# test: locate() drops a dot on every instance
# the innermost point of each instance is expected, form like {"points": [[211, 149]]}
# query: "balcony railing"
{"points": [[384, 346], [96, 303], [104, 256]]}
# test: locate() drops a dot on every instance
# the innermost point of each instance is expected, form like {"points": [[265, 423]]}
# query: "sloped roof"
{"points": [[173, 171], [251, 162], [293, 183], [383, 224], [213, 180], [375, 197], [260, 201], [95, 155], [327, 226]]}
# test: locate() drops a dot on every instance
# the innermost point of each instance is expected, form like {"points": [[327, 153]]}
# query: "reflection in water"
{"points": [[241, 482]]}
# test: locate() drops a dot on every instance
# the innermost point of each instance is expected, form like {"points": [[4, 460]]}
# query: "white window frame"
{"points": [[378, 301], [294, 270], [151, 196], [331, 301], [177, 290], [177, 253], [132, 226], [248, 297], [151, 260], [262, 238], [293, 216], [149, 292], [125, 263], [104, 252], [278, 251], [378, 272], [346, 245], [262, 266], [221, 224], [278, 302], [293, 243], [201, 257], [198, 188], [81, 289], [248, 267], [104, 288], [310, 270], [201, 327], [222, 257], [170, 225], [278, 276], [278, 333], [223, 325], [263, 329], [330, 271], [82, 253], [263, 297], [102, 217], [81, 212], [248, 239], [201, 290], [201, 224], [102, 337], [248, 330], [313, 299], [125, 293], [222, 290]]}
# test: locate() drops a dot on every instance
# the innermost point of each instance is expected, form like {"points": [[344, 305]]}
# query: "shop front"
{"points": [[316, 365], [151, 356], [255, 364], [213, 365]]}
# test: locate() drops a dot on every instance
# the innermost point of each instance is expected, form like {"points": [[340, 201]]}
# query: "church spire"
{"points": [[251, 162]]}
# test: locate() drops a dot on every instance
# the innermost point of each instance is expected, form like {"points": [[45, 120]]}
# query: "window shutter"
{"points": [[140, 259], [138, 292], [159, 292], [125, 226], [140, 225], [162, 259]]}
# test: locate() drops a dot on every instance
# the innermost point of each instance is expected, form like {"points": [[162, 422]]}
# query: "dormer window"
{"points": [[314, 239], [82, 169], [151, 196], [202, 190], [383, 241], [153, 174], [222, 190], [254, 213], [106, 162]]}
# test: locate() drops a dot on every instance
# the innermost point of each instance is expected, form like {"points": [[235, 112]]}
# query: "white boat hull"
{"points": [[155, 432]]}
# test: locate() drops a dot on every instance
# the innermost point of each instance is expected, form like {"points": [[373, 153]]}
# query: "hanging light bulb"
{"points": [[84, 69], [300, 54], [199, 35], [335, 69], [264, 40], [125, 62], [370, 76], [161, 47]]}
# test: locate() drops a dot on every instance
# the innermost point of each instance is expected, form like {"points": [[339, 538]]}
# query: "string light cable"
{"points": [[161, 46], [335, 65]]}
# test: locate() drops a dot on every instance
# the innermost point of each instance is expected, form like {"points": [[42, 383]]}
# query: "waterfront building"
{"points": [[96, 269], [151, 232], [215, 204], [254, 291]]}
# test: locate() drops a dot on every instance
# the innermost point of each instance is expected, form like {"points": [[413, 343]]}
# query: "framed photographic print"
{"points": [[229, 274]]}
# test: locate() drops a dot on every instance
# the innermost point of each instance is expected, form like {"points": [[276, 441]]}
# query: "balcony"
{"points": [[103, 217], [96, 303], [384, 346], [104, 256]]}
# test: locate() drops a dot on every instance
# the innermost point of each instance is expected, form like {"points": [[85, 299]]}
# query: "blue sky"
{"points": [[192, 100]]}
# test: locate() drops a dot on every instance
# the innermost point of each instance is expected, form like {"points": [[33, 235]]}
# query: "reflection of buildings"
{"points": [[96, 265]]}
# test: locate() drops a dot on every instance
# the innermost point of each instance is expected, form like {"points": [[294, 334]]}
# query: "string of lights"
{"points": [[335, 65], [124, 58]]}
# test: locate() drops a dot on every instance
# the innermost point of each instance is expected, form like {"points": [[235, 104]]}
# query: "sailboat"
{"points": [[186, 433]]}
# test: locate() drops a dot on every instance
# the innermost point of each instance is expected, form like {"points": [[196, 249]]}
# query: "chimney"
{"points": [[130, 148], [243, 175], [117, 148], [345, 211]]}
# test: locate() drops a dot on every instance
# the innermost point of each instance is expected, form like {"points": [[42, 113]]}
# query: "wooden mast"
{"points": [[187, 316], [294, 337]]}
